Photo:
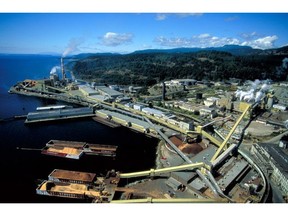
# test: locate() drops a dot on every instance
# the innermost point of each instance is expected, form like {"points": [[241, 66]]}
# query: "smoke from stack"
{"points": [[253, 94], [54, 70], [73, 45], [280, 71], [285, 63]]}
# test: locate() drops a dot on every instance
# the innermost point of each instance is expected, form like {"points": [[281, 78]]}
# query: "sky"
{"points": [[72, 33]]}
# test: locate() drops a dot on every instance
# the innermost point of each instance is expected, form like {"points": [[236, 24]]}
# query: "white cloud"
{"points": [[164, 16], [202, 40], [204, 36], [262, 43], [231, 19], [172, 42], [161, 17], [249, 36], [207, 40], [116, 39], [183, 15]]}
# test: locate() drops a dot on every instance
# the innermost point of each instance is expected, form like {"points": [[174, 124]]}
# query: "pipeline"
{"points": [[180, 153], [230, 134], [153, 172]]}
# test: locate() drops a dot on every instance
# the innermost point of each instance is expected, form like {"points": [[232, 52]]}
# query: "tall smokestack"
{"points": [[62, 69]]}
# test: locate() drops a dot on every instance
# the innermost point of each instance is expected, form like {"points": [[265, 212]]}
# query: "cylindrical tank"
{"points": [[269, 103], [199, 95]]}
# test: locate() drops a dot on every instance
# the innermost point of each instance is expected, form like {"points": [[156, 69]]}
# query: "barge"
{"points": [[74, 149], [79, 185], [66, 149], [59, 175]]}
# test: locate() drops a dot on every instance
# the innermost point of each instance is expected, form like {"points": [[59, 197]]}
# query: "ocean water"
{"points": [[21, 170]]}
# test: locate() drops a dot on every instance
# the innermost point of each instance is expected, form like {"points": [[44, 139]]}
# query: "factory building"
{"points": [[184, 82], [211, 101], [208, 111], [225, 102], [102, 93], [153, 112], [274, 160], [87, 90], [186, 106], [106, 91]]}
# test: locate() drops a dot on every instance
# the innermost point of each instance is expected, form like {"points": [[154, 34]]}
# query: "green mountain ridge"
{"points": [[151, 66]]}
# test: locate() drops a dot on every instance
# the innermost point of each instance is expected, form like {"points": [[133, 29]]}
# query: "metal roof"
{"points": [[109, 91]]}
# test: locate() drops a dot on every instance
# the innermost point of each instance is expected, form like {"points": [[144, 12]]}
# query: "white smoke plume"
{"points": [[252, 94], [54, 70], [73, 46], [285, 63], [255, 84], [280, 70], [258, 96]]}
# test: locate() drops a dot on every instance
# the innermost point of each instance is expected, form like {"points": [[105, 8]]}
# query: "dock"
{"points": [[74, 149], [109, 123]]}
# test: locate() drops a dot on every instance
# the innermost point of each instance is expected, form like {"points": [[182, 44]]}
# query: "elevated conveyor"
{"points": [[224, 143], [154, 172]]}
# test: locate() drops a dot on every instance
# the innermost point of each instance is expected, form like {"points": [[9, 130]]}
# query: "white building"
{"points": [[87, 90], [207, 111], [211, 101]]}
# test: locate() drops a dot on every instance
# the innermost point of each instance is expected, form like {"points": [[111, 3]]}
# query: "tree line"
{"points": [[147, 69]]}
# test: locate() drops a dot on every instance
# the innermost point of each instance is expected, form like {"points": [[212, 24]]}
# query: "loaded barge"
{"points": [[74, 149], [79, 185]]}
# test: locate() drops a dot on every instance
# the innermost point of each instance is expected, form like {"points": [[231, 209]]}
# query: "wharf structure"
{"points": [[219, 172]]}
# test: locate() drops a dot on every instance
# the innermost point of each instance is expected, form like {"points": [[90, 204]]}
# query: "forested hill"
{"points": [[147, 68]]}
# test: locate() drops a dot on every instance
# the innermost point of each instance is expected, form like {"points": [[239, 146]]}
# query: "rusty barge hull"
{"points": [[59, 175]]}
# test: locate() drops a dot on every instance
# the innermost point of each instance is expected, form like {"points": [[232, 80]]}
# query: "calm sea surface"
{"points": [[22, 169]]}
